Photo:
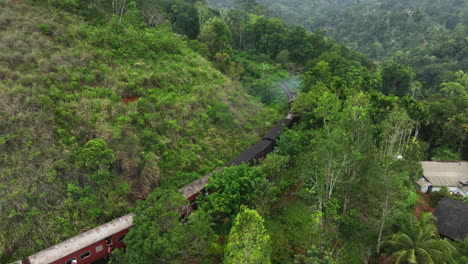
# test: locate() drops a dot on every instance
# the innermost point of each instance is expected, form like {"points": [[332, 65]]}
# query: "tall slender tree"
{"points": [[249, 242]]}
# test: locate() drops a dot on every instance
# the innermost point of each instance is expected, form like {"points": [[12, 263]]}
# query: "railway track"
{"points": [[96, 244]]}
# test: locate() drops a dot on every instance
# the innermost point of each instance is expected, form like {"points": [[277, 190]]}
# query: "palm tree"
{"points": [[419, 244]]}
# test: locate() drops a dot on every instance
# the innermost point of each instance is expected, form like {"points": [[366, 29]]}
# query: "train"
{"points": [[99, 242]]}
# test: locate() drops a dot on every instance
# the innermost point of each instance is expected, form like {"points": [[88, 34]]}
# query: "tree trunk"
{"points": [[382, 222]]}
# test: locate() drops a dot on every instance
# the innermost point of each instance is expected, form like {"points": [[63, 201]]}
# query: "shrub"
{"points": [[44, 28], [96, 154], [436, 196]]}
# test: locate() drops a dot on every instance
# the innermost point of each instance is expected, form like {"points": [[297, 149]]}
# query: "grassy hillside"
{"points": [[94, 117]]}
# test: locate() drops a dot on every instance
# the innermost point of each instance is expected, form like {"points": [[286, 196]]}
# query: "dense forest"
{"points": [[108, 107], [427, 35]]}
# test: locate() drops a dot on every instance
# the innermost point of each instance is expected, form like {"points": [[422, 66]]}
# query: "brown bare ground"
{"points": [[422, 205]]}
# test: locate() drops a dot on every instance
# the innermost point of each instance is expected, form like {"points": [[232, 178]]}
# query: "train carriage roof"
{"points": [[196, 186], [276, 131], [82, 240], [250, 153], [291, 95]]}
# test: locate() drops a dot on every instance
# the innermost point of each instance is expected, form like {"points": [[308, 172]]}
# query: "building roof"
{"points": [[445, 173], [423, 183], [452, 218], [82, 240]]}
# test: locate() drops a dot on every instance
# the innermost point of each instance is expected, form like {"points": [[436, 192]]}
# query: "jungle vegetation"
{"points": [[427, 35], [109, 106]]}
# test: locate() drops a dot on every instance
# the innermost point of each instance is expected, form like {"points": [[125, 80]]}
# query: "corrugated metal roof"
{"points": [[423, 182], [445, 173], [82, 240]]}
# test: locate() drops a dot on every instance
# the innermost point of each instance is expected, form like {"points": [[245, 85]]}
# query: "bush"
{"points": [[96, 154], [436, 196], [44, 28]]}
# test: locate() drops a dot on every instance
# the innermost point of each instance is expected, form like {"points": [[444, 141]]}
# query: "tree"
{"points": [[396, 78], [250, 7], [158, 235], [96, 155], [299, 45], [119, 7], [216, 35], [248, 240], [202, 11], [418, 244], [152, 15], [231, 188], [265, 35], [396, 132]]}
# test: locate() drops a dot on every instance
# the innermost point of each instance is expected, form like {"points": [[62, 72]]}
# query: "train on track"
{"points": [[98, 243]]}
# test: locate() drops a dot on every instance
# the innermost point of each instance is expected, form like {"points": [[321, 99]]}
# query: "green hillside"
{"points": [[110, 106], [73, 155]]}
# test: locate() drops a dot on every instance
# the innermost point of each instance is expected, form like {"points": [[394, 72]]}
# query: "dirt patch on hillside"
{"points": [[127, 100], [422, 205]]}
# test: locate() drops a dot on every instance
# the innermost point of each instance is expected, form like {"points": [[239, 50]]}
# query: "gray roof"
{"points": [[252, 153], [452, 218], [290, 94], [82, 240], [276, 131], [445, 173], [197, 185], [423, 183]]}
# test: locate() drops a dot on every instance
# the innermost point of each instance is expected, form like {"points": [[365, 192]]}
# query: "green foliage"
{"points": [[44, 28], [426, 35], [96, 154], [294, 227], [183, 15], [444, 154], [220, 115], [411, 201], [71, 152], [396, 79], [291, 143], [216, 35], [436, 196], [418, 243], [315, 256], [462, 250], [128, 43], [231, 188], [262, 78], [379, 29], [158, 236], [248, 240]]}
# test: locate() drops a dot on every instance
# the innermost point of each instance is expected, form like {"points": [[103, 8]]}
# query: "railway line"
{"points": [[96, 244]]}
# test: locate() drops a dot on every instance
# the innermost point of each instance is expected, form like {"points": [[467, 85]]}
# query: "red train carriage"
{"points": [[191, 191], [87, 247]]}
